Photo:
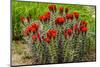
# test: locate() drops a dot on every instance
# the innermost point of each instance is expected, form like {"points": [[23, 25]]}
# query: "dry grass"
{"points": [[20, 54]]}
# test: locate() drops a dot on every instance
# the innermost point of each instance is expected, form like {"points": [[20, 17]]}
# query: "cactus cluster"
{"points": [[57, 36]]}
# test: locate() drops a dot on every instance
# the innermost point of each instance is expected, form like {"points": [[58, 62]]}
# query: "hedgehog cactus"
{"points": [[58, 40]]}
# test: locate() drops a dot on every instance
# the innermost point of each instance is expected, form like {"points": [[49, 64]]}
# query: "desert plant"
{"points": [[57, 36]]}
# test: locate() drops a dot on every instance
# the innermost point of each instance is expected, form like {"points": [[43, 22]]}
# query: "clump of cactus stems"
{"points": [[58, 36]]}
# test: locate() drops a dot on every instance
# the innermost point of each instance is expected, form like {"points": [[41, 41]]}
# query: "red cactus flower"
{"points": [[36, 26], [51, 33], [47, 40], [76, 14], [22, 19], [75, 27], [52, 7], [34, 37], [69, 16], [84, 29], [81, 26], [61, 9], [60, 20], [84, 23], [42, 18], [66, 10], [47, 15], [33, 27], [69, 31], [29, 28]]}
